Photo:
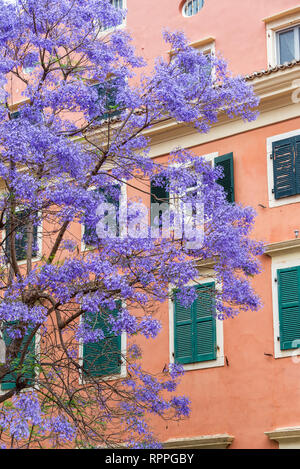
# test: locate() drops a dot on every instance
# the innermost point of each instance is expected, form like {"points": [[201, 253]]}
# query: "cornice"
{"points": [[275, 249], [282, 14], [201, 442], [284, 434], [275, 92], [196, 44]]}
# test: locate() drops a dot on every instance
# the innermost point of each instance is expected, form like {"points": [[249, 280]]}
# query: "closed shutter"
{"points": [[183, 333], [103, 357], [289, 307], [27, 369], [205, 323], [284, 168], [227, 182], [195, 328]]}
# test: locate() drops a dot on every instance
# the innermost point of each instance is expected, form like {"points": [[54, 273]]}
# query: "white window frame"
{"points": [[207, 46], [274, 25], [296, 42], [282, 261], [293, 199], [123, 371], [220, 360], [200, 5]]}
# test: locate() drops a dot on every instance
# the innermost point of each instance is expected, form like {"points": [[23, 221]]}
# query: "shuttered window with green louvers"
{"points": [[289, 307], [195, 327], [21, 236], [102, 358], [227, 182], [26, 371], [286, 167]]}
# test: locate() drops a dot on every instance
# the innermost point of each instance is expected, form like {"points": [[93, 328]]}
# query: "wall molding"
{"points": [[221, 441], [288, 438]]}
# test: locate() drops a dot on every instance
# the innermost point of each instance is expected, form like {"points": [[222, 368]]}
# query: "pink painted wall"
{"points": [[236, 25]]}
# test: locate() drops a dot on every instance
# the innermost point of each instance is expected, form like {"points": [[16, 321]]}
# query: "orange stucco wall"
{"points": [[254, 393]]}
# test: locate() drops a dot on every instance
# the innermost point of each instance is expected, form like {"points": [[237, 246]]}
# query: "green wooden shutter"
{"points": [[27, 369], [284, 168], [195, 328], [289, 307], [205, 323], [159, 195], [183, 333], [103, 357], [227, 182], [297, 163]]}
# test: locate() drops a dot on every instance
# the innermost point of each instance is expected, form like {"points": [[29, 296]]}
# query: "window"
{"points": [[286, 167], [289, 307], [285, 269], [195, 327], [21, 236], [192, 7], [26, 371], [108, 92], [119, 5], [288, 45], [89, 230], [102, 358], [282, 36]]}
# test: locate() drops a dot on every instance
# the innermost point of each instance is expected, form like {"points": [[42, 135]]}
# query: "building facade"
{"points": [[245, 391]]}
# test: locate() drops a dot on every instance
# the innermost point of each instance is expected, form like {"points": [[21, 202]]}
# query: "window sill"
{"points": [[220, 361]]}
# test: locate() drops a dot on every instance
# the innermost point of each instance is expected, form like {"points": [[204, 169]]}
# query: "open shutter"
{"points": [[284, 168], [227, 182], [297, 163], [205, 323], [289, 307], [27, 369], [104, 357], [183, 333]]}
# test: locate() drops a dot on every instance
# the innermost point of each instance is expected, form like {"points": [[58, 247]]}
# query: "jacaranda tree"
{"points": [[80, 264]]}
